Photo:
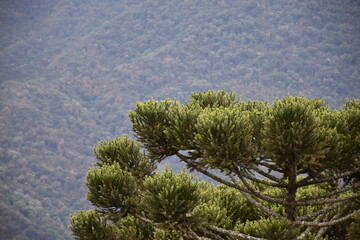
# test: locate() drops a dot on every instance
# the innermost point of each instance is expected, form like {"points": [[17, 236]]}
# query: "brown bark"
{"points": [[291, 173], [291, 204]]}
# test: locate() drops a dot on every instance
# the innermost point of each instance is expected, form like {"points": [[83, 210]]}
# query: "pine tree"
{"points": [[289, 170]]}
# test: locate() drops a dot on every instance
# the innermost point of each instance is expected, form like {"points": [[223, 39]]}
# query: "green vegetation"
{"points": [[289, 170], [71, 70]]}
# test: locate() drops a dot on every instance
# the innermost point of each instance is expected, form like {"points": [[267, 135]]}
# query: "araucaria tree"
{"points": [[286, 170]]}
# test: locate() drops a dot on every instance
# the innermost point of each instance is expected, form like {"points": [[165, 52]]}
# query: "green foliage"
{"points": [[149, 121], [160, 234], [212, 213], [293, 131], [182, 120], [236, 206], [111, 188], [269, 228], [213, 99], [126, 153], [89, 226], [224, 136], [354, 230], [131, 228], [224, 206], [352, 120], [170, 198], [258, 112]]}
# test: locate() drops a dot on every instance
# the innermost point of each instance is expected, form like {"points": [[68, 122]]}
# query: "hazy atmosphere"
{"points": [[70, 71]]}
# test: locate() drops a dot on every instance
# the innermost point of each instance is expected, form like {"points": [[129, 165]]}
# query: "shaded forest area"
{"points": [[71, 70]]}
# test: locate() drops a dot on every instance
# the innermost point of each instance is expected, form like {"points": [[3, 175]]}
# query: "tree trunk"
{"points": [[291, 191], [291, 204]]}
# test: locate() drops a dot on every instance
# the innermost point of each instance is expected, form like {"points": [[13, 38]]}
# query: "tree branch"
{"points": [[235, 185], [310, 228], [235, 234], [329, 194], [329, 223], [305, 182], [148, 221], [214, 236], [322, 231], [158, 225], [313, 203], [267, 175], [215, 228], [210, 175], [322, 211], [256, 203], [271, 184], [194, 235], [269, 166], [258, 194]]}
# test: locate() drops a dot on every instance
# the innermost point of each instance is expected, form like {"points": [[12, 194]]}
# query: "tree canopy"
{"points": [[286, 170]]}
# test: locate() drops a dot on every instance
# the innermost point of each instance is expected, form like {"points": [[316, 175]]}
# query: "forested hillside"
{"points": [[71, 70]]}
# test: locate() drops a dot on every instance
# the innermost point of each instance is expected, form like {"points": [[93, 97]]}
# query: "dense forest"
{"points": [[70, 71]]}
